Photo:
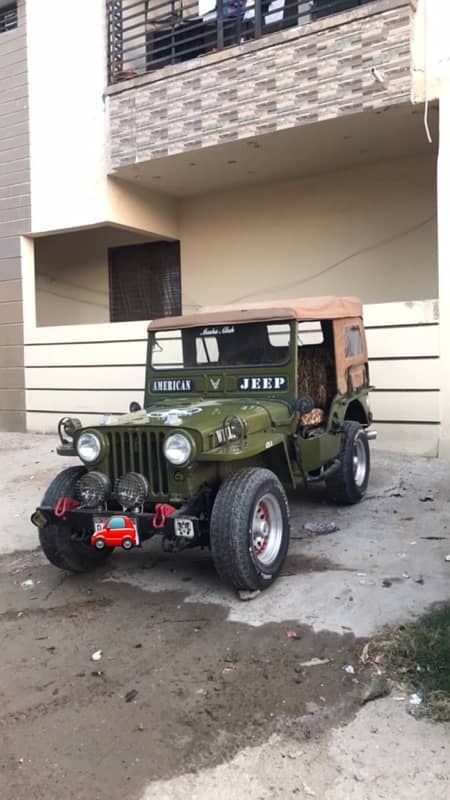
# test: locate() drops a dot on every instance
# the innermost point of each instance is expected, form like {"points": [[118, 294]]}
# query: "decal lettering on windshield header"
{"points": [[217, 331], [264, 383], [173, 385]]}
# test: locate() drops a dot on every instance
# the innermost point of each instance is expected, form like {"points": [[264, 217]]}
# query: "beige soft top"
{"points": [[303, 309]]}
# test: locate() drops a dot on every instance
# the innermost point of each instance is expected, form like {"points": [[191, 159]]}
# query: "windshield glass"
{"points": [[249, 344]]}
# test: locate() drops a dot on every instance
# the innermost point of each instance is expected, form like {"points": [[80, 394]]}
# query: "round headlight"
{"points": [[177, 449], [93, 489], [89, 447], [132, 490]]}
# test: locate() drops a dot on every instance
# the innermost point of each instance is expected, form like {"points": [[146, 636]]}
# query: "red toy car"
{"points": [[118, 531]]}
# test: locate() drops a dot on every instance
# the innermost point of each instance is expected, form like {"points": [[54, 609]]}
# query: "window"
{"points": [[310, 333], [8, 17], [144, 281], [353, 341]]}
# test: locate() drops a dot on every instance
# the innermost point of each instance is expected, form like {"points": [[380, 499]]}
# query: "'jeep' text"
{"points": [[263, 384], [180, 385]]}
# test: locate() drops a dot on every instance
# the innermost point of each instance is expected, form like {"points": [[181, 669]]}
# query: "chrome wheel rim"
{"points": [[359, 461], [267, 530]]}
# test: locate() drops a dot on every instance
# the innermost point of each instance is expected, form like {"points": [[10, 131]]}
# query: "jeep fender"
{"points": [[358, 412], [276, 458]]}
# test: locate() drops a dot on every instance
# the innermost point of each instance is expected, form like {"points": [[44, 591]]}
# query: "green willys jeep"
{"points": [[241, 403]]}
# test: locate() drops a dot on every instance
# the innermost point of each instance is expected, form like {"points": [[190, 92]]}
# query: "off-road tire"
{"points": [[343, 487], [57, 541], [231, 531]]}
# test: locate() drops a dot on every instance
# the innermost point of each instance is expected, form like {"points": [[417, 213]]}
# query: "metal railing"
{"points": [[146, 35]]}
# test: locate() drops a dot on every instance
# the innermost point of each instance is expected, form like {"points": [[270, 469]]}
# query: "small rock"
{"points": [[427, 498], [307, 790], [447, 558], [349, 669], [314, 662], [130, 696], [29, 584], [420, 579], [97, 655], [140, 727], [320, 528], [245, 594], [292, 635], [386, 583], [378, 687]]}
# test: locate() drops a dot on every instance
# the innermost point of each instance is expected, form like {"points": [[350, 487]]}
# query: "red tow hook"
{"points": [[63, 505], [162, 511]]}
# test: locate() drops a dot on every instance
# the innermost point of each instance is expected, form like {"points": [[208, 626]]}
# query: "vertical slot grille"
{"points": [[139, 451]]}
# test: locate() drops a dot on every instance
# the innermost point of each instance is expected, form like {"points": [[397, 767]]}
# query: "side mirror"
{"points": [[134, 406]]}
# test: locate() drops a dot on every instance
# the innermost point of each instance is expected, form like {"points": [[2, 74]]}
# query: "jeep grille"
{"points": [[139, 451]]}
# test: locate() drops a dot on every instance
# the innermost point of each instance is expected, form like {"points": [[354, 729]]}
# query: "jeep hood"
{"points": [[206, 416]]}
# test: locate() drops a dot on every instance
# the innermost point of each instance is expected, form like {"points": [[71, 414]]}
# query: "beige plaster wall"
{"points": [[430, 48], [369, 231], [72, 275]]}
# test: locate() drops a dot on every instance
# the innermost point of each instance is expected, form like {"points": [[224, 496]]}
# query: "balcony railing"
{"points": [[146, 35]]}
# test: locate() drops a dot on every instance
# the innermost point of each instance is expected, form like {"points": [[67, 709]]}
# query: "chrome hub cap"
{"points": [[267, 530], [359, 461]]}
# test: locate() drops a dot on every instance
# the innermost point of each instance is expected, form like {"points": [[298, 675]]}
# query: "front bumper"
{"points": [[83, 521]]}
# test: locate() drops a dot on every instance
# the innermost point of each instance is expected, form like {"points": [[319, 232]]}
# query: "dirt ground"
{"points": [[198, 693]]}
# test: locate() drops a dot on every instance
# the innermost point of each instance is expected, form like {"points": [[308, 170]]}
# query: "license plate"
{"points": [[185, 528]]}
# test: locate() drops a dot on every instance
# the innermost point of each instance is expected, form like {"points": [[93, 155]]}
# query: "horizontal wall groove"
{"points": [[390, 326], [405, 422], [84, 366], [402, 358], [89, 389], [375, 390], [99, 341]]}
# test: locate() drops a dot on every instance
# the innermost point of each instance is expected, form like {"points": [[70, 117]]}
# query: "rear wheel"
{"points": [[59, 542], [249, 532], [348, 485]]}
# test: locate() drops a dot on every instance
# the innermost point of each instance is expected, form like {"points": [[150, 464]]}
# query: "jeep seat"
{"points": [[316, 377]]}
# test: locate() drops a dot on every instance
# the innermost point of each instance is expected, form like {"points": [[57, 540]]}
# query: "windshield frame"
{"points": [[210, 366]]}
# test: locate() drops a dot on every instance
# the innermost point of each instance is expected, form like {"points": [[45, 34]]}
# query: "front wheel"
{"points": [[348, 485], [249, 532], [64, 547]]}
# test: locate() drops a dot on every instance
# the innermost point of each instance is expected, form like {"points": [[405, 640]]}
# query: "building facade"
{"points": [[221, 152]]}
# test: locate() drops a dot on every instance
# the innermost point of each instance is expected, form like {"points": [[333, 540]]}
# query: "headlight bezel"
{"points": [[101, 447], [189, 453]]}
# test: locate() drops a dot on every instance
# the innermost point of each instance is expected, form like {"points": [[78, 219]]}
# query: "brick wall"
{"points": [[15, 217], [302, 75]]}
